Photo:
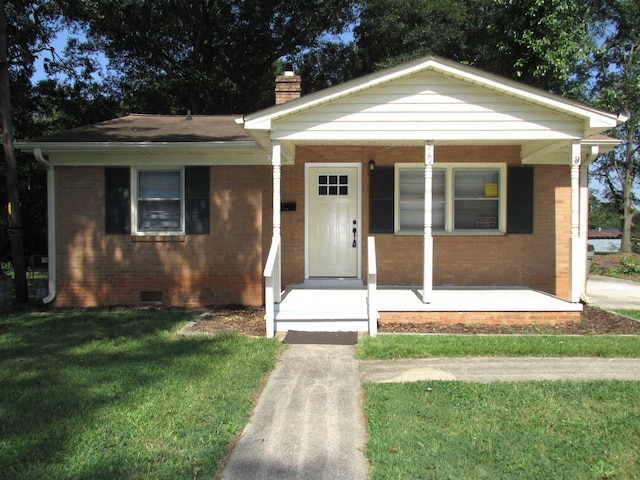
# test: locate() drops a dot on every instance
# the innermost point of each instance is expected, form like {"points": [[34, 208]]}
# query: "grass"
{"points": [[119, 395], [530, 430], [629, 313], [386, 347]]}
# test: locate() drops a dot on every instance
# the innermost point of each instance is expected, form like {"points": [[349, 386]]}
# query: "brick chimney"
{"points": [[288, 86]]}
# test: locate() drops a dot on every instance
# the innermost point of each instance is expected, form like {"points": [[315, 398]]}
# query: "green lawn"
{"points": [[120, 395], [630, 313], [530, 430], [385, 347]]}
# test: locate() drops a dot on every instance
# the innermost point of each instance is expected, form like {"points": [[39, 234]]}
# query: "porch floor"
{"points": [[350, 304]]}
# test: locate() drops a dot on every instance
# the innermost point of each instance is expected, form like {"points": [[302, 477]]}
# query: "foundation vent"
{"points": [[151, 297]]}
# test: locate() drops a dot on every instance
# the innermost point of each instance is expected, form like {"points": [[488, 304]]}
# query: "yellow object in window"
{"points": [[490, 189]]}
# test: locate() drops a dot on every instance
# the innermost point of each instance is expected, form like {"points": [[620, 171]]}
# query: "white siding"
{"points": [[427, 106]]}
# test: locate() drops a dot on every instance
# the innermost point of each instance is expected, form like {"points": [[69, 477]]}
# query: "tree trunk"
{"points": [[13, 206], [627, 187]]}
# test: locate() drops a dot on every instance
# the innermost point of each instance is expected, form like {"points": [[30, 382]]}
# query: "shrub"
{"points": [[628, 266]]}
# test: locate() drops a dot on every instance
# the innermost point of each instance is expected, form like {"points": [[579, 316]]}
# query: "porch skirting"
{"points": [[484, 318]]}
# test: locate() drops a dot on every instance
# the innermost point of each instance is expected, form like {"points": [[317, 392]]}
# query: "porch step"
{"points": [[325, 310], [321, 325]]}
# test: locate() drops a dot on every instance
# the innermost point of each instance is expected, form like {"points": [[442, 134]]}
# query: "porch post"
{"points": [[428, 224], [276, 161], [578, 252]]}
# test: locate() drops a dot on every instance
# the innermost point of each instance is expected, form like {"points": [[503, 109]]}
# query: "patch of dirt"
{"points": [[230, 319], [250, 321]]}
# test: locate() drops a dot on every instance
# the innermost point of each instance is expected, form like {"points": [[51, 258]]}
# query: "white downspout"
{"points": [[51, 224]]}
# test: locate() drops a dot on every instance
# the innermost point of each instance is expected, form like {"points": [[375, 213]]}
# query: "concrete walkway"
{"points": [[607, 292], [308, 422], [500, 369]]}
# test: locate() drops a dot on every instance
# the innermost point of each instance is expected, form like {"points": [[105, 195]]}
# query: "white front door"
{"points": [[333, 230]]}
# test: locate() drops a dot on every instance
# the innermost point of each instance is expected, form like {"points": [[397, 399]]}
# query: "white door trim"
{"points": [[307, 168]]}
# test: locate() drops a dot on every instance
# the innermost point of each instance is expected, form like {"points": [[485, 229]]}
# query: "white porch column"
{"points": [[428, 224], [276, 161], [578, 248]]}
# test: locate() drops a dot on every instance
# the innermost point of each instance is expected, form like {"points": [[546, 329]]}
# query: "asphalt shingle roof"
{"points": [[156, 128]]}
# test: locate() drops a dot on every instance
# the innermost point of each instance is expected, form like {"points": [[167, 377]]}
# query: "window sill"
{"points": [[158, 238], [462, 233]]}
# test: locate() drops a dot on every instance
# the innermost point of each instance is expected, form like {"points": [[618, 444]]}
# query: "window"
{"points": [[333, 185], [159, 200], [465, 198]]}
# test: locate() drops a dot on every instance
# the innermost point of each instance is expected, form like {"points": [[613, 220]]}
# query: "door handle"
{"points": [[355, 230]]}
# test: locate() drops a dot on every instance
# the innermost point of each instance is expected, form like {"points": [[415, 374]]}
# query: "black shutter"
{"points": [[381, 182], [520, 200], [117, 202], [197, 199]]}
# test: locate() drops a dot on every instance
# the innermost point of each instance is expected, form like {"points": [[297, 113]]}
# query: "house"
{"points": [[605, 240], [430, 191]]}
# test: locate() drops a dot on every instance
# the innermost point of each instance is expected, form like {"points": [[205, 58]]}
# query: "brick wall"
{"points": [[538, 261], [226, 265], [222, 267]]}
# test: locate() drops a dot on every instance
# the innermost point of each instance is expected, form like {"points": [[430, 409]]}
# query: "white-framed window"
{"points": [[158, 201], [466, 198]]}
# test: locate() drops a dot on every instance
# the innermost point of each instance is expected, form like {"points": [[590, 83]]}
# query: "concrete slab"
{"points": [[607, 292], [308, 422], [500, 369]]}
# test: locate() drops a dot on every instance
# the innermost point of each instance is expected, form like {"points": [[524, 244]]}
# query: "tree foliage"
{"points": [[208, 56], [544, 43], [392, 31]]}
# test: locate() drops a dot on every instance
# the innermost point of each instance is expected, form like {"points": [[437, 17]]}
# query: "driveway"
{"points": [[607, 292]]}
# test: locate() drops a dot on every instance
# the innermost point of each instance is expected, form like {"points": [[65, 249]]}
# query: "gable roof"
{"points": [[595, 120]]}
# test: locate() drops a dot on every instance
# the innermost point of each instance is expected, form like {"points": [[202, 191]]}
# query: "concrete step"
{"points": [[335, 325]]}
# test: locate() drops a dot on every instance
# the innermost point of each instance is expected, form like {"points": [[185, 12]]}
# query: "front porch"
{"points": [[314, 308]]}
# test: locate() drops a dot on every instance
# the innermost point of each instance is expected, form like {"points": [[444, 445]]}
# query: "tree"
{"points": [[14, 222], [603, 214], [25, 28], [392, 31], [208, 56], [544, 43], [330, 63], [617, 88], [541, 43]]}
